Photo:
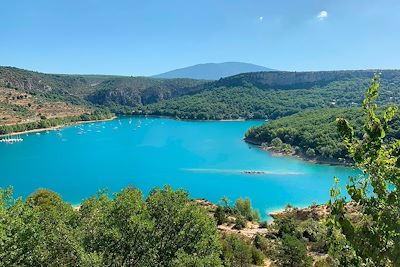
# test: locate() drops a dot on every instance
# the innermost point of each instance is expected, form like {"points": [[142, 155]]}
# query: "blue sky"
{"points": [[148, 37]]}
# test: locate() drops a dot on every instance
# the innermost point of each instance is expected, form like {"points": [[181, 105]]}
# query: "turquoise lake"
{"points": [[205, 158]]}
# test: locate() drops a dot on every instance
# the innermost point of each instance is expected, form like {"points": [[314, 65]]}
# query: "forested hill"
{"points": [[281, 80], [341, 88], [137, 91], [36, 82], [260, 95], [270, 95], [313, 134], [97, 89], [30, 100]]}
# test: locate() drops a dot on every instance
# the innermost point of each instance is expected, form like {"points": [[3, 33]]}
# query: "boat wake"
{"points": [[248, 172]]}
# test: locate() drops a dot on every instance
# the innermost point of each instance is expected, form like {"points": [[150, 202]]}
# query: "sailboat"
{"points": [[11, 140]]}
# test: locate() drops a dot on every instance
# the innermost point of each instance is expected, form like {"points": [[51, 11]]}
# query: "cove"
{"points": [[208, 159]]}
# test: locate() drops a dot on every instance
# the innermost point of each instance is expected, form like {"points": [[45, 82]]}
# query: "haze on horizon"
{"points": [[146, 38]]}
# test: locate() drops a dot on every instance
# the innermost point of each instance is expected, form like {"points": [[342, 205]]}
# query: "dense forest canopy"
{"points": [[285, 80], [258, 95], [250, 96], [137, 91], [313, 134], [298, 89]]}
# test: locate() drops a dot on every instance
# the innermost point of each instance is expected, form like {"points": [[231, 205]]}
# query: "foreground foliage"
{"points": [[375, 238], [165, 229]]}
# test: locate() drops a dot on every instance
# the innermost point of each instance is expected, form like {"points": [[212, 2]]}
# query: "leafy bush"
{"points": [[264, 224], [292, 252], [310, 153], [262, 243], [238, 252], [257, 256], [240, 223], [243, 208], [286, 225], [375, 238], [219, 215], [276, 142]]}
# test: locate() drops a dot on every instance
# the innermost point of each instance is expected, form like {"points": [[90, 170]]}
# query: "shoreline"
{"points": [[190, 120], [297, 156], [251, 142], [54, 128], [113, 118]]}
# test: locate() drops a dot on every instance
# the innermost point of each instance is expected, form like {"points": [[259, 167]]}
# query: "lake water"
{"points": [[205, 158]]}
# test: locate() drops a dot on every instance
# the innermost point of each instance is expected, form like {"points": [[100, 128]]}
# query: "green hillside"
{"points": [[268, 95], [31, 100], [97, 89], [258, 95], [283, 80], [137, 91], [37, 82], [312, 134]]}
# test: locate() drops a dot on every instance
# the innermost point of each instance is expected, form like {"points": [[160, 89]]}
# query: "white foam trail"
{"points": [[248, 172]]}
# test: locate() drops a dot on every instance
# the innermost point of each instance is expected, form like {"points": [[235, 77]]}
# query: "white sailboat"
{"points": [[11, 140]]}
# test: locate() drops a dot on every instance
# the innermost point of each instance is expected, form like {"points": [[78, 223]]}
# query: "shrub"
{"points": [[235, 251], [243, 208], [219, 215], [257, 256], [293, 252], [276, 142], [261, 243], [310, 153], [240, 223], [264, 224], [286, 224], [286, 148]]}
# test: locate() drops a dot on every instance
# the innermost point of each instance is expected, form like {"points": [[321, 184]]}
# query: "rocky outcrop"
{"points": [[136, 91]]}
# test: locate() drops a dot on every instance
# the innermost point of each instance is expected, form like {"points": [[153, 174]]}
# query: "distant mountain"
{"points": [[212, 71]]}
